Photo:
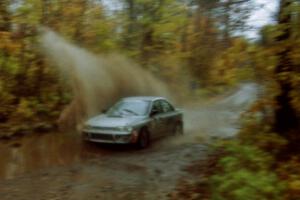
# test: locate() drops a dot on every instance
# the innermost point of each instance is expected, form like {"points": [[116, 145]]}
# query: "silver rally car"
{"points": [[135, 120]]}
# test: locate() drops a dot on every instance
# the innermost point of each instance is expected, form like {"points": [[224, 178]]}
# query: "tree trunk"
{"points": [[4, 16], [130, 42], [285, 115]]}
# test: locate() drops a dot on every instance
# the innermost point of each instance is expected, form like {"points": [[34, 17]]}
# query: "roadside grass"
{"points": [[233, 171], [245, 173], [253, 165]]}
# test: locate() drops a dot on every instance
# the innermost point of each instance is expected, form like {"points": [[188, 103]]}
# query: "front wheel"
{"points": [[143, 140]]}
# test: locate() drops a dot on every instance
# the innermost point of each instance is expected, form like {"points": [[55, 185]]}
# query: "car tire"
{"points": [[178, 129], [143, 139]]}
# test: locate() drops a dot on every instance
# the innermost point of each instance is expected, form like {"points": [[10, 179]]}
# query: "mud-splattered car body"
{"points": [[136, 120]]}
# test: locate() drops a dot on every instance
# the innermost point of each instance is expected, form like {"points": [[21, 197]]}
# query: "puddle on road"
{"points": [[35, 152]]}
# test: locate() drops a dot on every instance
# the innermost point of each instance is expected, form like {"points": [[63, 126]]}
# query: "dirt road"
{"points": [[60, 167]]}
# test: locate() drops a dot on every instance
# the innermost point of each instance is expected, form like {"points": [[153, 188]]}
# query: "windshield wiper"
{"points": [[130, 111]]}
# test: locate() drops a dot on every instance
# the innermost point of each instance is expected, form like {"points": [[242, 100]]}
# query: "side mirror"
{"points": [[153, 113]]}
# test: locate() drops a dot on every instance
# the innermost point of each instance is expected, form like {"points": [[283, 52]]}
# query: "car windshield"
{"points": [[134, 108]]}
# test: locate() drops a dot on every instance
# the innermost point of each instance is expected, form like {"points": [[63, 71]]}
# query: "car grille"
{"points": [[101, 136], [104, 128]]}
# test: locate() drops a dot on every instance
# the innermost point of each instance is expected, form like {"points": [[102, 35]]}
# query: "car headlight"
{"points": [[125, 128]]}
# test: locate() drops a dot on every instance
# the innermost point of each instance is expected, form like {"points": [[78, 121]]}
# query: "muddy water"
{"points": [[36, 152]]}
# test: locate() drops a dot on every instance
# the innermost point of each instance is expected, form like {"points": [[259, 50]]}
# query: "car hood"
{"points": [[106, 121]]}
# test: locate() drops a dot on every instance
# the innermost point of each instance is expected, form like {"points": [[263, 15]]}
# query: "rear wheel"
{"points": [[143, 140]]}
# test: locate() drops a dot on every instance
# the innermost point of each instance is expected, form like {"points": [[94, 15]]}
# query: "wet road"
{"points": [[60, 166], [36, 152]]}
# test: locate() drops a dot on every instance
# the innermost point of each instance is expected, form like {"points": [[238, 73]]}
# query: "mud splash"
{"points": [[97, 80], [100, 80], [220, 119]]}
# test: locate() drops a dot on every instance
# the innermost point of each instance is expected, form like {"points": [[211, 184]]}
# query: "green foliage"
{"points": [[169, 38], [177, 40], [24, 111], [234, 65], [245, 174], [290, 172], [257, 129], [252, 167]]}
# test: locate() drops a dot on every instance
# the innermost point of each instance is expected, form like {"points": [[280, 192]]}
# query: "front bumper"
{"points": [[108, 137]]}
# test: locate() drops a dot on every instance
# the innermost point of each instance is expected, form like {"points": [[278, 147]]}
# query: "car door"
{"points": [[164, 118], [169, 116], [157, 124]]}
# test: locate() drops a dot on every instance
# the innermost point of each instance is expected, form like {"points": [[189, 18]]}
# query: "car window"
{"points": [[135, 107], [166, 106], [157, 107]]}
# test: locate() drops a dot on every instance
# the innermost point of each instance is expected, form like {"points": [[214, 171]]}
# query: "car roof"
{"points": [[144, 98]]}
